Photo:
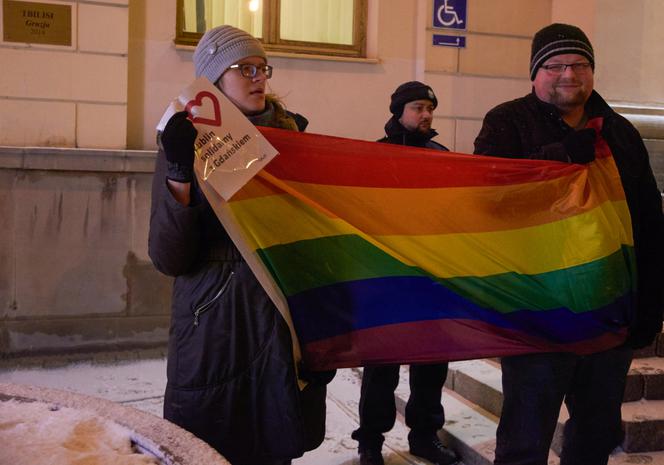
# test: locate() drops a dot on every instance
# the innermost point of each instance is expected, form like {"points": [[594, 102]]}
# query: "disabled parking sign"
{"points": [[449, 14]]}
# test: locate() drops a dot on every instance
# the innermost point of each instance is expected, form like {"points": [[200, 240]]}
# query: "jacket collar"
{"points": [[396, 132]]}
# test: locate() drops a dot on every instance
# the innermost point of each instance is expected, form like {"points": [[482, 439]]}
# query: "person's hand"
{"points": [[320, 378], [178, 142], [580, 145]]}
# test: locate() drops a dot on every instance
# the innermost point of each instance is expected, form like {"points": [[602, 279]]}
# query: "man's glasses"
{"points": [[560, 68], [249, 71]]}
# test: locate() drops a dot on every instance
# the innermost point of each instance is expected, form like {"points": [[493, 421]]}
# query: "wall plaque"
{"points": [[36, 23]]}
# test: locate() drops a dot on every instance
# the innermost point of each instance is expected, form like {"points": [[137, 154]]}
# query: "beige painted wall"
{"points": [[343, 98], [110, 88], [68, 96], [351, 99], [628, 41]]}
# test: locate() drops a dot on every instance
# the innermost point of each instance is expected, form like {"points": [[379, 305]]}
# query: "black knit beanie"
{"points": [[409, 91], [558, 39]]}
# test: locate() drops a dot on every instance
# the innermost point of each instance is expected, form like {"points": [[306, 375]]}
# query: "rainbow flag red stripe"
{"points": [[388, 254]]}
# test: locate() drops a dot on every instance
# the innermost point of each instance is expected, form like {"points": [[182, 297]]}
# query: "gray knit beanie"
{"points": [[221, 47]]}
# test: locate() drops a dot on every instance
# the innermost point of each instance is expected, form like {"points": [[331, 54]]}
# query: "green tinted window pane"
{"points": [[201, 15], [324, 21]]}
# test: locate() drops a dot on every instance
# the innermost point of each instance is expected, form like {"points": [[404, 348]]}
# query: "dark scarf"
{"points": [[274, 116]]}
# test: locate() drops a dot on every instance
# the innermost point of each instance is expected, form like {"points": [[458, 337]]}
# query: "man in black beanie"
{"points": [[551, 123], [412, 107]]}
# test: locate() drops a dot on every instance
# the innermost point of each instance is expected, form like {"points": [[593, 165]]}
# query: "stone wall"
{"points": [[74, 271]]}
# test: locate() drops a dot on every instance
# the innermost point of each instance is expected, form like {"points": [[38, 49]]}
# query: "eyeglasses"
{"points": [[249, 71], [560, 68]]}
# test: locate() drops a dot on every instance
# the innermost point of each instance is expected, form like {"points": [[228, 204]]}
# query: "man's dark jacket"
{"points": [[530, 128], [395, 133]]}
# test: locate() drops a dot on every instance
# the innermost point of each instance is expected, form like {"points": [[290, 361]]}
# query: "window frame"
{"points": [[273, 43]]}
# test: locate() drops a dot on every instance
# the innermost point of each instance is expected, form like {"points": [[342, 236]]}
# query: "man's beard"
{"points": [[424, 127], [564, 99]]}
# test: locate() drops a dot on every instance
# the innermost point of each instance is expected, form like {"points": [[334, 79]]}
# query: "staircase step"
{"points": [[471, 431], [478, 381], [645, 379], [650, 458], [644, 425]]}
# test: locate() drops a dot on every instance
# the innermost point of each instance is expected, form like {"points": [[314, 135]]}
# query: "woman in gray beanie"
{"points": [[231, 377]]}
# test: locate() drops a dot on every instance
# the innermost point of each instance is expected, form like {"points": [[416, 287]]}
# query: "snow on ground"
{"points": [[36, 433], [140, 384]]}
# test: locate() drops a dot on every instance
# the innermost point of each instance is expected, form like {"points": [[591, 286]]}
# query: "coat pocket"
{"points": [[199, 310]]}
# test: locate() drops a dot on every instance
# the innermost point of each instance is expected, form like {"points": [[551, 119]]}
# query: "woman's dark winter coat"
{"points": [[231, 376]]}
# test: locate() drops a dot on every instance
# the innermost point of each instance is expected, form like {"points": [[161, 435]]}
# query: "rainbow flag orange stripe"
{"points": [[388, 254]]}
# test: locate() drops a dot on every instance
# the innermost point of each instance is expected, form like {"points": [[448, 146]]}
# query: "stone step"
{"points": [[481, 380], [643, 423], [478, 381], [645, 379]]}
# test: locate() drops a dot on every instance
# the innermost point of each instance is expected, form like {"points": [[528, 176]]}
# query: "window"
{"points": [[324, 27]]}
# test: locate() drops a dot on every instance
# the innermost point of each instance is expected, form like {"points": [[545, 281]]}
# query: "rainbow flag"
{"points": [[388, 254]]}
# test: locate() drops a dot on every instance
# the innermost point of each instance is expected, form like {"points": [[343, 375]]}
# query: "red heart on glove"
{"points": [[198, 102]]}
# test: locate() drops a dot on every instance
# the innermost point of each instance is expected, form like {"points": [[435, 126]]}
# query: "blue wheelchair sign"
{"points": [[449, 13]]}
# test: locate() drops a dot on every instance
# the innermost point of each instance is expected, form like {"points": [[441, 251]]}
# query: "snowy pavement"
{"points": [[140, 384]]}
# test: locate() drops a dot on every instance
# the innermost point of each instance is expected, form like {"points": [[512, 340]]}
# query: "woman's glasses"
{"points": [[249, 71]]}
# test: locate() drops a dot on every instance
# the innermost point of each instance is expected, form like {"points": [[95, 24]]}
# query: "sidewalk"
{"points": [[140, 384]]}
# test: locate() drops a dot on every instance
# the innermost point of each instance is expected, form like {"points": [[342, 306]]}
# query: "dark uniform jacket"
{"points": [[530, 128], [231, 376], [395, 133]]}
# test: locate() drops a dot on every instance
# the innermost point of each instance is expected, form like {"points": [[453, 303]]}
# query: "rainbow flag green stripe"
{"points": [[334, 259]]}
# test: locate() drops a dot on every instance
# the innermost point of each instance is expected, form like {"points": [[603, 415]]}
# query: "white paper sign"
{"points": [[229, 149]]}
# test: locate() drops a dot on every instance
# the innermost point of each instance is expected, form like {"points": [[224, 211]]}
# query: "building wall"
{"points": [[350, 98], [109, 89], [69, 96], [74, 271]]}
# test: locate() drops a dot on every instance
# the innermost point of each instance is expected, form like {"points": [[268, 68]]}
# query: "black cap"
{"points": [[409, 91], [558, 39]]}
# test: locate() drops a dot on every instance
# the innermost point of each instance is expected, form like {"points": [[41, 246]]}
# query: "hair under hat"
{"points": [[408, 92], [221, 47], [558, 39]]}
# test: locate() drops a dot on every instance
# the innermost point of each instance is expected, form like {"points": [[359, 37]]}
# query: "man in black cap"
{"points": [[551, 123], [412, 107]]}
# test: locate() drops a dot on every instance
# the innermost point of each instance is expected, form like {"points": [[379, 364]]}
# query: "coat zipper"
{"points": [[203, 308]]}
